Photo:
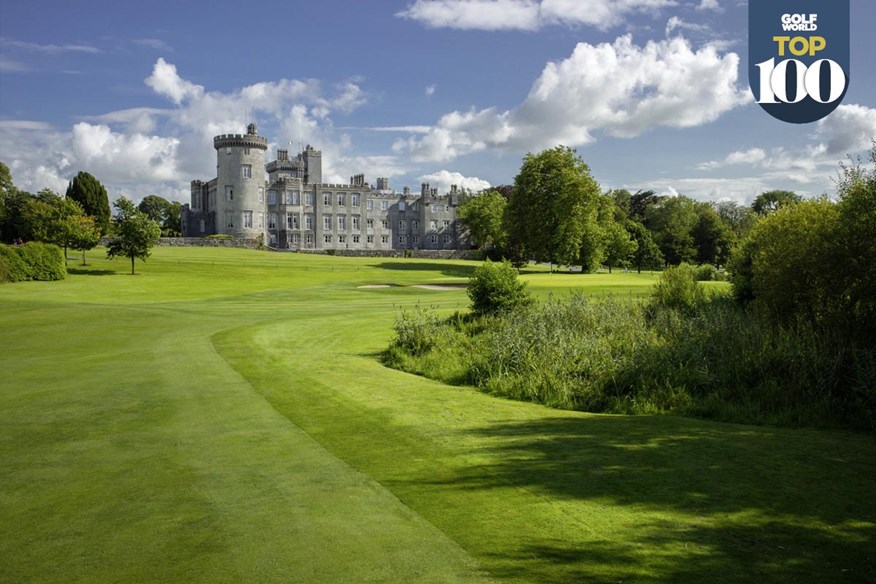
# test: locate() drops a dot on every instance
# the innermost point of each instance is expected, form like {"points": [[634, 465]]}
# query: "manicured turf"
{"points": [[222, 417]]}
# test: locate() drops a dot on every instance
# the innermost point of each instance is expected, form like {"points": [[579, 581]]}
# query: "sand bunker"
{"points": [[445, 287]]}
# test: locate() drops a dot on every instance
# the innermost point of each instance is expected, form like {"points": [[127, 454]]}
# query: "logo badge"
{"points": [[798, 57]]}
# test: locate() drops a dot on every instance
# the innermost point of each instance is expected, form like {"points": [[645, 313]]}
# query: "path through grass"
{"points": [[222, 417]]}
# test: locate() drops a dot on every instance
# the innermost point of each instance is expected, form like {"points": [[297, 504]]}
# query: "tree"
{"points": [[136, 233], [163, 212], [712, 237], [671, 220], [553, 204], [853, 270], [784, 263], [647, 254], [771, 201], [82, 233], [91, 195], [483, 215], [619, 245], [738, 218], [494, 288]]}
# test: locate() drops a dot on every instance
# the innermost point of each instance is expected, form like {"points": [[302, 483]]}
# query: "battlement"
{"points": [[240, 141]]}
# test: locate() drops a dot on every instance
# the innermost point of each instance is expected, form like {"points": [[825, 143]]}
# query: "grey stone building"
{"points": [[286, 203]]}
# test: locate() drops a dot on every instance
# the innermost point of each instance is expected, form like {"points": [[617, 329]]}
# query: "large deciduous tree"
{"points": [[91, 195], [553, 204], [165, 213], [136, 233], [483, 217], [772, 201], [712, 237], [647, 254], [672, 220]]}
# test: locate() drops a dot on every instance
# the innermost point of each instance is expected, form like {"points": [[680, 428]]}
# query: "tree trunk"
{"points": [[83, 257], [609, 269], [132, 265]]}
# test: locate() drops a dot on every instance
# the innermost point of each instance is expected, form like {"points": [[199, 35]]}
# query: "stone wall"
{"points": [[210, 242], [431, 254]]}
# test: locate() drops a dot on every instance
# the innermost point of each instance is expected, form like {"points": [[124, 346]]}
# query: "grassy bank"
{"points": [[223, 417]]}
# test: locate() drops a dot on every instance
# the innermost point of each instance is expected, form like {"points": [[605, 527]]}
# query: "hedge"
{"points": [[32, 261]]}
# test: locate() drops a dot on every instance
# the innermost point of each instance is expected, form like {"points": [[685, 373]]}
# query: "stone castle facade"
{"points": [[293, 209]]}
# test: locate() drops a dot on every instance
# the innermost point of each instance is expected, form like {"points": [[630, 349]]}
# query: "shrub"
{"points": [[32, 261], [494, 288], [706, 273], [45, 261], [677, 288], [12, 267]]}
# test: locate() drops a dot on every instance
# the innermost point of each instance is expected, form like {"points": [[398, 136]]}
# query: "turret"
{"points": [[240, 184]]}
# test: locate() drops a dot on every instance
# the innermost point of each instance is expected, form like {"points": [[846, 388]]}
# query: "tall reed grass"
{"points": [[716, 360]]}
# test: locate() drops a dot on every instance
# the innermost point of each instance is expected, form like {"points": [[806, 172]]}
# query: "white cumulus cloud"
{"points": [[526, 14], [443, 179], [620, 89], [165, 81]]}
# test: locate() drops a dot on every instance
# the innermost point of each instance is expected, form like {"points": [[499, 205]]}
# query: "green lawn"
{"points": [[222, 417]]}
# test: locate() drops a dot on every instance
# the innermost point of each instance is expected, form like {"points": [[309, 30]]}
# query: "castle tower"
{"points": [[240, 184], [312, 165]]}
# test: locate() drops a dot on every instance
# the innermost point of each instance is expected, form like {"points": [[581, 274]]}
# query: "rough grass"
{"points": [[223, 417]]}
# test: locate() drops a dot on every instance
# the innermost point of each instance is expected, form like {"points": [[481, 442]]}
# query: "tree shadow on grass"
{"points": [[85, 272], [711, 502], [445, 269]]}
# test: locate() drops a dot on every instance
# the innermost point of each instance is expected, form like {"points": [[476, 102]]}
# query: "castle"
{"points": [[294, 210]]}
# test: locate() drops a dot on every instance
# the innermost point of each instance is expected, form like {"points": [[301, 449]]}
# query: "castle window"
{"points": [[308, 239], [433, 225], [370, 204], [342, 239], [354, 199], [402, 226], [308, 222], [384, 224], [342, 199], [342, 222], [261, 194], [414, 206], [247, 219], [272, 221], [446, 239], [228, 150], [355, 239], [384, 205], [446, 224], [357, 223], [370, 224], [229, 219], [246, 151], [415, 240], [288, 198], [308, 199], [401, 205], [272, 197], [384, 239], [402, 239], [261, 220], [229, 193], [327, 222], [327, 238], [295, 239], [202, 226], [246, 170], [296, 198], [433, 239], [273, 239], [369, 239], [415, 225], [326, 198]]}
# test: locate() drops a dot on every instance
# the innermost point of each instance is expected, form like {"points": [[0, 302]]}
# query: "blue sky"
{"points": [[653, 94]]}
